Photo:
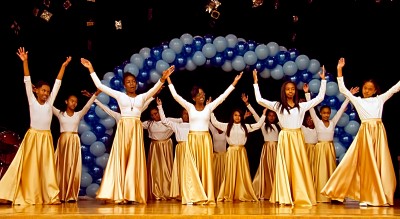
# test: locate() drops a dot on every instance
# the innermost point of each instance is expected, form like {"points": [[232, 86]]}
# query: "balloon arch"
{"points": [[188, 53]]}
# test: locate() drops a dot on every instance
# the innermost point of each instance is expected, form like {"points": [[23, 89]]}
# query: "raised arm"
{"points": [[263, 102], [185, 104], [23, 55], [259, 123], [223, 96], [245, 99], [63, 66], [343, 107], [321, 94], [219, 125]]}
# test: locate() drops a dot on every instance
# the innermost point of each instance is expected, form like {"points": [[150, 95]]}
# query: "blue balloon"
{"points": [[241, 48], [106, 139], [292, 78], [262, 51], [88, 159], [156, 52], [346, 139], [220, 43], [293, 53], [252, 45], [198, 58], [259, 66], [329, 77], [250, 57], [116, 83], [338, 131], [99, 130], [282, 57], [271, 62], [96, 172], [91, 118], [149, 63], [230, 53], [164, 45], [333, 102], [218, 60], [198, 43], [180, 61], [85, 148], [188, 50], [353, 115], [304, 75], [209, 38], [143, 76], [352, 127], [332, 88]]}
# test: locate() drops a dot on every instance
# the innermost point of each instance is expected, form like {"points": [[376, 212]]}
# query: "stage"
{"points": [[173, 210]]}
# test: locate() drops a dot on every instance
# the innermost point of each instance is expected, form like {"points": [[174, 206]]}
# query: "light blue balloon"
{"points": [[97, 148], [352, 127], [262, 51], [100, 113], [198, 58], [332, 88], [277, 72], [154, 76], [190, 65], [314, 85], [103, 98], [91, 190], [168, 55], [314, 66], [102, 160], [107, 83], [282, 48], [238, 63], [273, 48], [232, 40], [344, 120], [88, 137], [220, 43], [132, 68], [250, 58], [290, 68], [266, 73], [341, 97], [176, 44], [302, 62], [145, 52], [339, 149], [227, 66], [209, 50], [108, 122], [186, 38], [86, 179], [333, 113], [300, 85], [161, 66], [108, 76], [341, 157], [83, 127], [137, 59]]}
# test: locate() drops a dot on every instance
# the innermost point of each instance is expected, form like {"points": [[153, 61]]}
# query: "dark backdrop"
{"points": [[364, 32]]}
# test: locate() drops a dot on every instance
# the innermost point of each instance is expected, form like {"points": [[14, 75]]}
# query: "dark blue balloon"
{"points": [[180, 61], [282, 57], [82, 191], [218, 60], [304, 75], [188, 50], [114, 107], [353, 115], [329, 77], [252, 45], [143, 76], [91, 118], [270, 62], [156, 53], [149, 63], [241, 48], [332, 101], [292, 78], [198, 43], [230, 53], [338, 131], [259, 66], [116, 83], [106, 139], [85, 148], [209, 38], [92, 107], [293, 53], [165, 45], [95, 171], [99, 130], [97, 181], [346, 139], [88, 159], [119, 70]]}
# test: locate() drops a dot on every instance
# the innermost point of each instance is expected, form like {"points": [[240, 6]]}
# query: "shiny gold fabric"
{"points": [[31, 176], [159, 172], [264, 178], [197, 175], [176, 184], [237, 184], [324, 164], [293, 180], [68, 165], [310, 150], [366, 172], [125, 176], [219, 163]]}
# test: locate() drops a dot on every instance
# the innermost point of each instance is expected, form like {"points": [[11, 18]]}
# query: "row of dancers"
{"points": [[40, 175]]}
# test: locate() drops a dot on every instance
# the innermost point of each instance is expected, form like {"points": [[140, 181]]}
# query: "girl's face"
{"points": [[72, 102], [271, 116], [325, 114], [185, 116], [368, 90], [200, 97], [290, 90], [130, 84], [42, 93], [155, 115], [236, 117], [309, 122]]}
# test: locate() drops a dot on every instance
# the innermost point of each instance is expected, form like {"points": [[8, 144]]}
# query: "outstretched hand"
{"points": [[237, 78], [354, 90], [167, 73], [255, 77], [209, 100], [341, 63], [245, 99], [247, 114], [67, 61], [23, 55], [322, 73]]}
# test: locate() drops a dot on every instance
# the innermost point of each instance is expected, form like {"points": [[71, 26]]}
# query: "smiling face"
{"points": [[368, 89], [237, 117], [200, 96], [42, 93], [155, 115], [290, 90]]}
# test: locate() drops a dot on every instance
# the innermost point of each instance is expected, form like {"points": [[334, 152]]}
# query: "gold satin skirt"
{"points": [[31, 176], [125, 176], [293, 183], [219, 163], [237, 184], [366, 172], [264, 177], [197, 175], [310, 150], [68, 165], [324, 164], [176, 184], [159, 162]]}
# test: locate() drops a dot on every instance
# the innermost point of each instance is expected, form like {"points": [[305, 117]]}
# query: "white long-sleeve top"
{"points": [[129, 106], [219, 139], [294, 120], [310, 135], [40, 115], [326, 133], [199, 119], [71, 123], [271, 134], [237, 134], [368, 108], [181, 129], [158, 130]]}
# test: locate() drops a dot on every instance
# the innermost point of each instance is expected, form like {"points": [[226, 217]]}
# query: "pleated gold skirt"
{"points": [[197, 175], [237, 184], [366, 172], [125, 176], [176, 184], [293, 183], [68, 165], [159, 162], [219, 163], [324, 164], [310, 150], [31, 176], [264, 177]]}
